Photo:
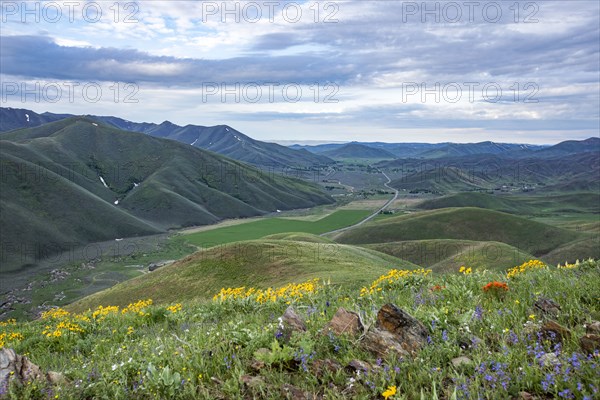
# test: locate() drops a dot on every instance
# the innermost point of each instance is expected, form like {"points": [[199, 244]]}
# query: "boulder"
{"points": [[21, 369], [547, 306], [345, 322], [409, 332]]}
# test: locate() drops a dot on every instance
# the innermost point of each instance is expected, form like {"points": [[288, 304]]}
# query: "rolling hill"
{"points": [[448, 255], [528, 205], [466, 223], [76, 181], [220, 139], [258, 263]]}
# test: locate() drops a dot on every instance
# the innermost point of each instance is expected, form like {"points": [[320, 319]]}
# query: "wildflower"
{"points": [[174, 308], [391, 390], [526, 266], [392, 277], [465, 271]]}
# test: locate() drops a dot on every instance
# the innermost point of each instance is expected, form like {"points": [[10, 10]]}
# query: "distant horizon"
{"points": [[301, 142]]}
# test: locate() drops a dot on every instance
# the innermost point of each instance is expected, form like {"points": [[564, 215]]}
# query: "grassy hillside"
{"points": [[525, 205], [448, 255], [464, 223], [235, 348], [76, 181], [260, 263]]}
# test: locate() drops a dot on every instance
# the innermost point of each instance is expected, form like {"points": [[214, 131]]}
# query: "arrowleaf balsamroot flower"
{"points": [[391, 390]]}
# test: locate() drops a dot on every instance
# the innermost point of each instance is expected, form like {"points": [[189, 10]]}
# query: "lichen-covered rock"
{"points": [[410, 332]]}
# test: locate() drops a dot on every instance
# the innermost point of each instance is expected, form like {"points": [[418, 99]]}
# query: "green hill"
{"points": [[258, 263], [448, 255], [466, 223], [529, 205], [75, 181]]}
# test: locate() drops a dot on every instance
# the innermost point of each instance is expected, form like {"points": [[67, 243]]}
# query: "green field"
{"points": [[271, 226]]}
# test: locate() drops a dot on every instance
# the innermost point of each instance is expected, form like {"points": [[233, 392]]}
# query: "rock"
{"points": [[291, 392], [358, 365], [555, 331], [252, 381], [410, 332], [320, 368], [382, 343], [590, 343], [345, 322], [525, 396], [55, 378], [547, 306], [292, 322], [593, 327], [461, 361], [21, 369], [549, 360]]}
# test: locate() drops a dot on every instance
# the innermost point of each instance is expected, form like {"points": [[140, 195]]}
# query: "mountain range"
{"points": [[221, 139]]}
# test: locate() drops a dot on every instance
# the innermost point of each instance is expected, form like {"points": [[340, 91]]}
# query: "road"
{"points": [[370, 217]]}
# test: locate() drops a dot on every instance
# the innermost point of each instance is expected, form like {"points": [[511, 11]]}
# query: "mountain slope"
{"points": [[76, 181]]}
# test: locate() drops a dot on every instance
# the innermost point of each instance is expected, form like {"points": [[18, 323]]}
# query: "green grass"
{"points": [[258, 263], [207, 349], [465, 223], [270, 226]]}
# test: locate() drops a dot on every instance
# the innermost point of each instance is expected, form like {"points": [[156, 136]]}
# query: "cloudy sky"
{"points": [[393, 71]]}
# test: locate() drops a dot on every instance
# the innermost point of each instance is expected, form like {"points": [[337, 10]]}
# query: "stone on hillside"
{"points": [[292, 392], [358, 365], [252, 381], [554, 331], [525, 396], [320, 368], [382, 343], [593, 327], [547, 306], [292, 321], [410, 333], [21, 369], [461, 361], [590, 343], [345, 322], [289, 323], [549, 360]]}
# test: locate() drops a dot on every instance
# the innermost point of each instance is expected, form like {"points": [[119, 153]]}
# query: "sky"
{"points": [[393, 71]]}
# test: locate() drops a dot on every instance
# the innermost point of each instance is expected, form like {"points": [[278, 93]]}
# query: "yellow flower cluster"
{"points": [[568, 266], [288, 292], [9, 337], [63, 327], [137, 307], [55, 313], [392, 277], [464, 270], [8, 322], [528, 265], [102, 312], [175, 308]]}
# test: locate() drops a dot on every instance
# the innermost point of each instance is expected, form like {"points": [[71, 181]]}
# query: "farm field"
{"points": [[270, 226]]}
